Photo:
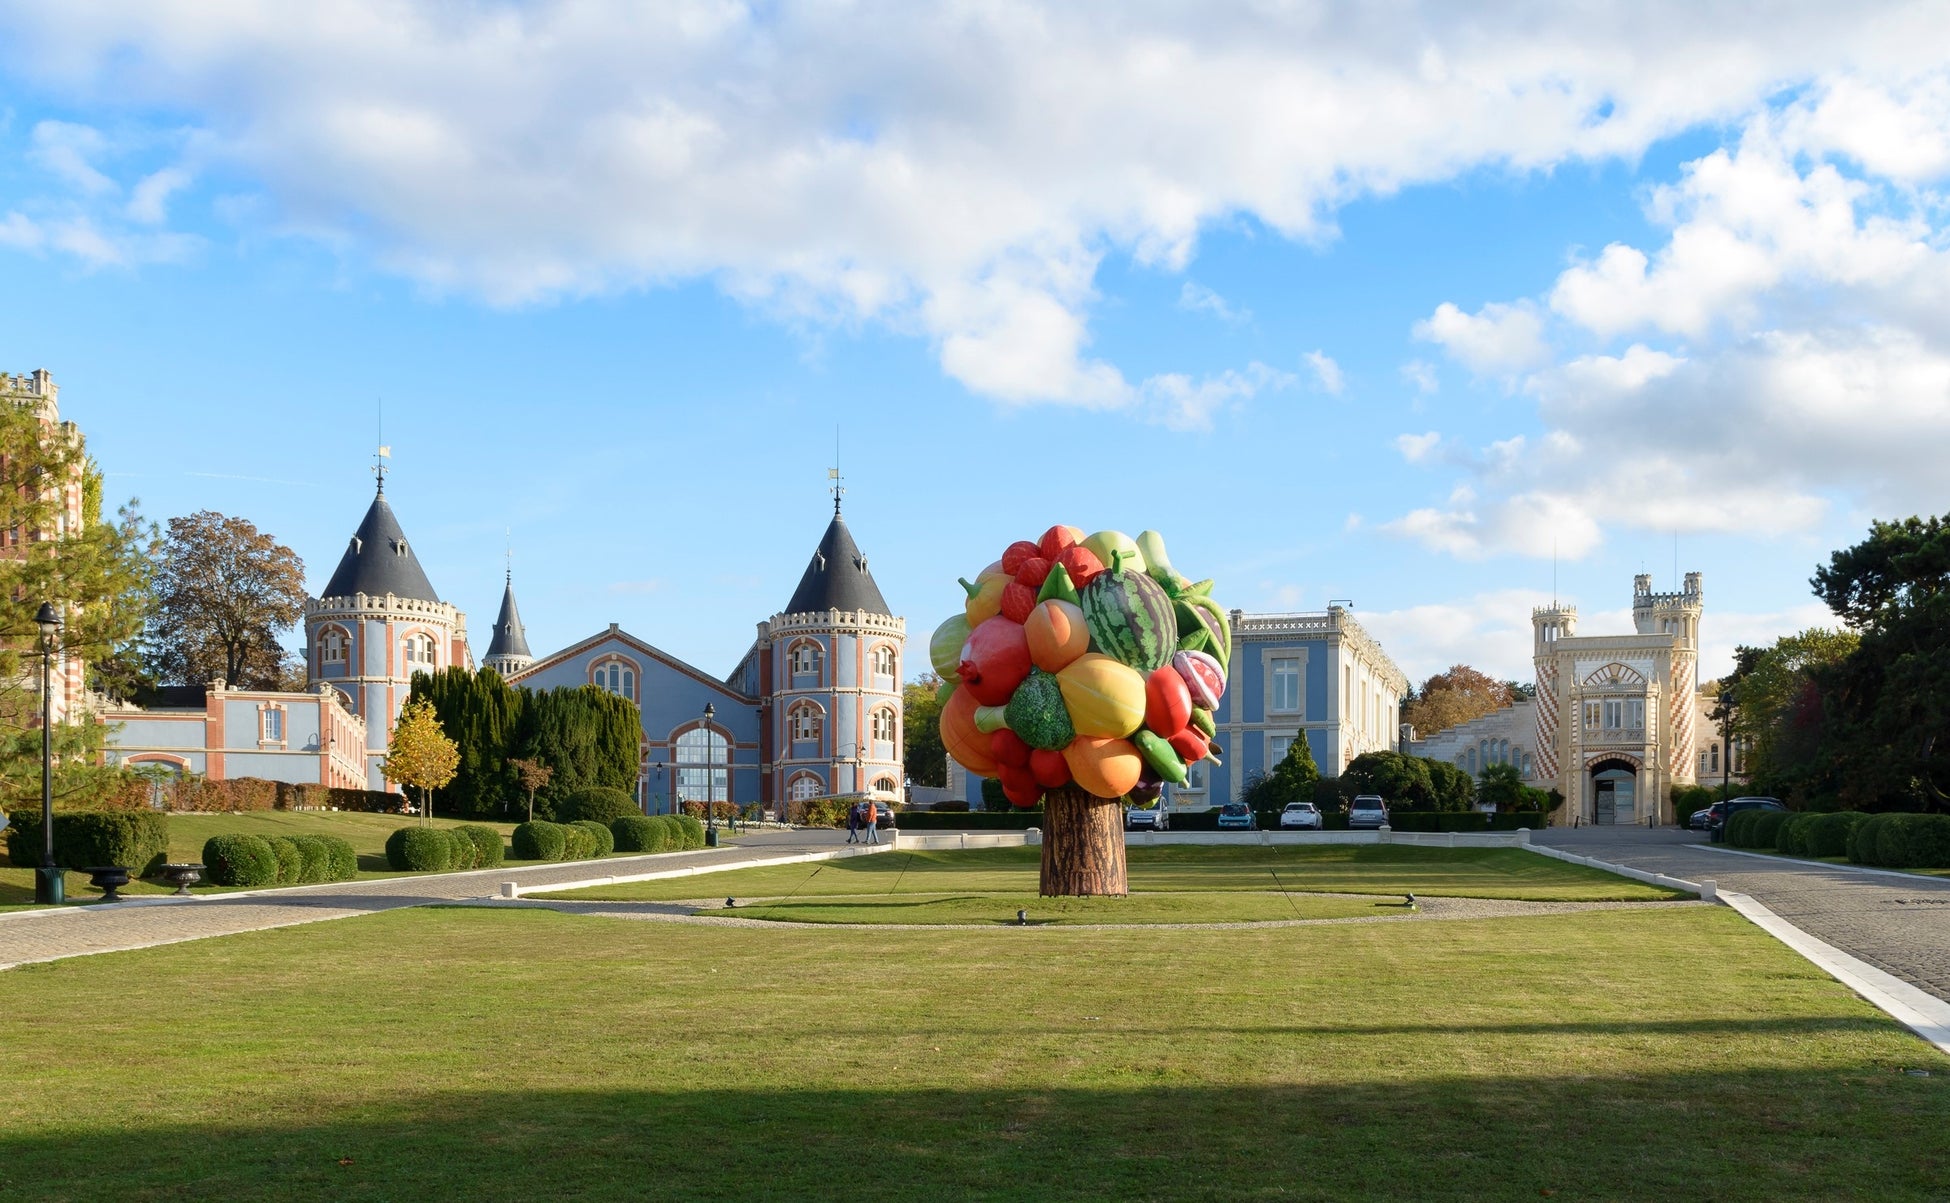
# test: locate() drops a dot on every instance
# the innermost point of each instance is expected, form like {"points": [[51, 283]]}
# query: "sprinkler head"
{"points": [[730, 902], [1022, 918], [1408, 900]]}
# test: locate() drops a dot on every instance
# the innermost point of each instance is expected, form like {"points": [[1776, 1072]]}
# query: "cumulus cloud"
{"points": [[1327, 373], [1495, 340], [1422, 375], [954, 171], [1789, 350], [1182, 403], [1417, 447], [1196, 297]]}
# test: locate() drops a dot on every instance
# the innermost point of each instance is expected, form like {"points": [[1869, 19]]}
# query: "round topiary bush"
{"points": [[419, 850], [578, 844], [637, 833], [604, 843], [291, 862], [596, 804], [240, 860], [488, 848], [1828, 834], [1762, 828], [460, 849], [539, 839], [693, 831], [1862, 840], [343, 858], [1791, 837], [315, 859]]}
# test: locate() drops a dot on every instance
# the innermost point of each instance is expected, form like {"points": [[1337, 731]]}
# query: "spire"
{"points": [[510, 641], [379, 560], [837, 578]]}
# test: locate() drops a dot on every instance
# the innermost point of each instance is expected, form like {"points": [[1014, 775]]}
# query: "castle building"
{"points": [[812, 708], [37, 391], [1617, 721]]}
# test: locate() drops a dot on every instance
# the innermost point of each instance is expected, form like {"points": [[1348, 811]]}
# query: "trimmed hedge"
{"points": [[1438, 820], [637, 833], [1755, 828], [596, 804], [344, 857], [137, 840], [604, 842], [291, 862], [419, 850], [1791, 837], [692, 829], [577, 842], [240, 860], [488, 848], [461, 851], [1902, 841], [314, 859], [539, 839], [1828, 834]]}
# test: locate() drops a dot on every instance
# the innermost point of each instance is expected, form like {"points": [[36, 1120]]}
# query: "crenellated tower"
{"points": [[1549, 625], [1677, 615], [831, 666], [376, 623]]}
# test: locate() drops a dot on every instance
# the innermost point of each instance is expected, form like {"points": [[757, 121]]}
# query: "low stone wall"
{"points": [[1705, 889]]}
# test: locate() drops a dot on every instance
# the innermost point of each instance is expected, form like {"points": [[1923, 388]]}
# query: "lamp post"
{"points": [[49, 887], [710, 782]]}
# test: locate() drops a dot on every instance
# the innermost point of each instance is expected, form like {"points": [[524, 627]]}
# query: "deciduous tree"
{"points": [[226, 593], [421, 757], [923, 758], [1452, 698], [531, 775]]}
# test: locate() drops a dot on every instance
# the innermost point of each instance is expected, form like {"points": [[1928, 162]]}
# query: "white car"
{"points": [[1300, 814], [1153, 817]]}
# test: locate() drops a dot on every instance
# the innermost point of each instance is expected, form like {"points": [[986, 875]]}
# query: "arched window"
{"points": [[419, 649], [804, 658], [803, 723], [884, 724], [805, 786], [616, 675], [1471, 766], [883, 660], [702, 754], [1527, 771], [886, 785], [331, 647]]}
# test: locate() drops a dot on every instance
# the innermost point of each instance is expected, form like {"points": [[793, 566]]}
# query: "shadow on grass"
{"points": [[1761, 1135]]}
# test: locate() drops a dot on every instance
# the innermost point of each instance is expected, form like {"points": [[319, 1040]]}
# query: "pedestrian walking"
{"points": [[873, 821], [852, 824]]}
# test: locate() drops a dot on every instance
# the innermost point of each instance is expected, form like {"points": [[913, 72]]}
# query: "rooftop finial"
{"points": [[508, 535], [833, 474], [384, 453]]}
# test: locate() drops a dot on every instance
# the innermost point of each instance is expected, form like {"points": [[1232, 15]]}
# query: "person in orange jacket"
{"points": [[873, 821]]}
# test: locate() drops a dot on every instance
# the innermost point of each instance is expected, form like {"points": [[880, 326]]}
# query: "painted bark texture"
{"points": [[1083, 845]]}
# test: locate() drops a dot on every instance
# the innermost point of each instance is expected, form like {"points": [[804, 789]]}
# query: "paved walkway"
{"points": [[147, 920], [1898, 923]]}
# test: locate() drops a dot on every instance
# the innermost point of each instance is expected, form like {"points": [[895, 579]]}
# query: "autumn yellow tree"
{"points": [[1453, 698], [422, 756]]}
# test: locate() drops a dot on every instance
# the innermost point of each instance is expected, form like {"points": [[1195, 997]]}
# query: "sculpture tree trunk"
{"points": [[1083, 844]]}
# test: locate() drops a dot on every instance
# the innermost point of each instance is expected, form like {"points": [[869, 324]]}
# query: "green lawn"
{"points": [[1169, 884], [187, 832], [1665, 1054]]}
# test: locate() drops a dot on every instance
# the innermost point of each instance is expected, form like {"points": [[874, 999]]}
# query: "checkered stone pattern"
{"points": [[1680, 712], [1547, 719]]}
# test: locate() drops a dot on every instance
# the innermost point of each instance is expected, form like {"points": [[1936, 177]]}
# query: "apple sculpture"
{"points": [[1082, 673]]}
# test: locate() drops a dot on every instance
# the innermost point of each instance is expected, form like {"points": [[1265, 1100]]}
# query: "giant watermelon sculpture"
{"points": [[1087, 675]]}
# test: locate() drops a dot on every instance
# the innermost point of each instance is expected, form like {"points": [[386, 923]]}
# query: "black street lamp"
{"points": [[49, 888], [710, 782]]}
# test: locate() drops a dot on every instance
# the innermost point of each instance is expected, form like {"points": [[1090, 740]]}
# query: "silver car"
{"points": [[1151, 818], [1366, 812]]}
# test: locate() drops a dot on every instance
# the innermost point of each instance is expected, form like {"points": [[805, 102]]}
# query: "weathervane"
{"points": [[384, 452], [833, 473]]}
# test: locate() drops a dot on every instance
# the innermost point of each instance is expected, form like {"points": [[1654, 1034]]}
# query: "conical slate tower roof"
{"points": [[378, 561], [509, 638], [837, 578]]}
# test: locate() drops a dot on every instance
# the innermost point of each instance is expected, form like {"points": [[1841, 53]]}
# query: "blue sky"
{"points": [[1424, 312]]}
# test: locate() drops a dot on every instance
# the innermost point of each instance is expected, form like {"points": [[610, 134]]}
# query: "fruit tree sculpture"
{"points": [[1083, 673]]}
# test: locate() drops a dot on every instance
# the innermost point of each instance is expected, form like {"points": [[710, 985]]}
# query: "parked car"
{"points": [[1300, 814], [1154, 817], [1366, 812], [1236, 814], [1722, 811], [1702, 819]]}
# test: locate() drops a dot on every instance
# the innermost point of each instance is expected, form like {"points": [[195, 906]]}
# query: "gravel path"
{"points": [[1899, 923]]}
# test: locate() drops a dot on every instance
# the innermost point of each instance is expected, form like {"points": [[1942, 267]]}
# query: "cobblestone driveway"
{"points": [[1898, 923]]}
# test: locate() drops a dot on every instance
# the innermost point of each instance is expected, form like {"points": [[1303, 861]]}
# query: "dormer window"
{"points": [[399, 547]]}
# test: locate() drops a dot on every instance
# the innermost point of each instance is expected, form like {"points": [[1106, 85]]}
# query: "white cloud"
{"points": [[149, 201], [1196, 297], [1814, 370], [1416, 448], [1327, 373], [1495, 340], [954, 171], [1488, 631], [67, 150], [1422, 375], [1181, 403]]}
